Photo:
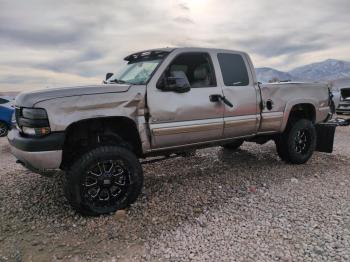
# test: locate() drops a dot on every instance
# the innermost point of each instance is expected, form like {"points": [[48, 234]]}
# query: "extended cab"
{"points": [[162, 102]]}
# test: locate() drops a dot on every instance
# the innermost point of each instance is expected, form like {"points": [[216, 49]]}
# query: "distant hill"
{"points": [[267, 74], [13, 94], [330, 69], [327, 70]]}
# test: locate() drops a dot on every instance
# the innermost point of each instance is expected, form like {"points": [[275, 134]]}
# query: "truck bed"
{"points": [[282, 96]]}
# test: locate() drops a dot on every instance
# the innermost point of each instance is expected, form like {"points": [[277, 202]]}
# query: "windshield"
{"points": [[135, 73]]}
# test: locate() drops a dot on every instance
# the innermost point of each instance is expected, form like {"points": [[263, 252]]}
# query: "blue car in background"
{"points": [[6, 114]]}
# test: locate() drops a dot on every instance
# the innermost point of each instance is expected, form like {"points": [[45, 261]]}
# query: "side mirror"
{"points": [[108, 76], [178, 84]]}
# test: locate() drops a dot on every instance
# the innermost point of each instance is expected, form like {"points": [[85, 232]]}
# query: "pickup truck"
{"points": [[162, 102]]}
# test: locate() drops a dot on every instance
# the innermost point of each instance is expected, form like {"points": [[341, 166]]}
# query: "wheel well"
{"points": [[4, 122], [91, 133], [306, 111]]}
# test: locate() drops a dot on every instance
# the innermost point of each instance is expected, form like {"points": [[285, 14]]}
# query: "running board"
{"points": [[158, 159]]}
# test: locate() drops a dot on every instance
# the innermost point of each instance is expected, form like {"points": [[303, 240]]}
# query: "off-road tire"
{"points": [[233, 145], [76, 177], [291, 148]]}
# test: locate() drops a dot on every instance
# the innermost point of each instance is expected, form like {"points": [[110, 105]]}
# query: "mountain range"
{"points": [[328, 70]]}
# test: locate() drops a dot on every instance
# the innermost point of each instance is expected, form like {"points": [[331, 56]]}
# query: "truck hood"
{"points": [[29, 99]]}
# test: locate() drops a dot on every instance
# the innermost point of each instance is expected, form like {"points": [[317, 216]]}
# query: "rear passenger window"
{"points": [[233, 69]]}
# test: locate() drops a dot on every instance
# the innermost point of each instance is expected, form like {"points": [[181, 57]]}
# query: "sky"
{"points": [[46, 43]]}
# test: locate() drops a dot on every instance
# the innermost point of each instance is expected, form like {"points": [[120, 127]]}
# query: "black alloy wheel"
{"points": [[106, 183], [298, 142], [302, 141], [104, 180]]}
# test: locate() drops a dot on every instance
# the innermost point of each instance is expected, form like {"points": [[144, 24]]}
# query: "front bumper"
{"points": [[39, 154]]}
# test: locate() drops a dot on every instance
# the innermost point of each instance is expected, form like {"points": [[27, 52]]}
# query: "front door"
{"points": [[185, 118], [239, 88]]}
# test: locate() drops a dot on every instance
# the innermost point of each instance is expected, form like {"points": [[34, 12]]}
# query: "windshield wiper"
{"points": [[115, 80]]}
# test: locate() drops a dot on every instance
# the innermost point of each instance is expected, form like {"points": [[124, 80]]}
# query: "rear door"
{"points": [[238, 87], [178, 119]]}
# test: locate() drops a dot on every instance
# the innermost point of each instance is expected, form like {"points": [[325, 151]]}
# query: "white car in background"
{"points": [[341, 95], [344, 105]]}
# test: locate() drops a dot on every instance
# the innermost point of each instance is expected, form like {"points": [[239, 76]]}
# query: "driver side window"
{"points": [[196, 67]]}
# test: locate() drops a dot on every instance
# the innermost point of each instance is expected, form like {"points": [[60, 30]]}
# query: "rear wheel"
{"points": [[104, 180], [233, 145], [3, 129], [297, 144]]}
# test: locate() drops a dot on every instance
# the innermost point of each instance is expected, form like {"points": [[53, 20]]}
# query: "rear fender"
{"points": [[289, 107]]}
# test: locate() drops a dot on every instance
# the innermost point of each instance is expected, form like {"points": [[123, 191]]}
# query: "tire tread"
{"points": [[72, 190]]}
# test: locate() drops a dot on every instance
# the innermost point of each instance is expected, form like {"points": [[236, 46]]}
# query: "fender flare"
{"points": [[289, 107]]}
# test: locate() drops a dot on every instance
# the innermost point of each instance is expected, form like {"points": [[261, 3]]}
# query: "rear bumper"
{"points": [[40, 155], [344, 107]]}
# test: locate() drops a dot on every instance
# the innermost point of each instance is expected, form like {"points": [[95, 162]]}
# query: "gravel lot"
{"points": [[217, 205]]}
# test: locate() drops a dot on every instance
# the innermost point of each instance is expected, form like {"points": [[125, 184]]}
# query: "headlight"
{"points": [[34, 113], [40, 131], [33, 121], [28, 131]]}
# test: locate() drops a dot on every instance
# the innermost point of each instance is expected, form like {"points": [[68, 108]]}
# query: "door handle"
{"points": [[269, 104], [216, 98]]}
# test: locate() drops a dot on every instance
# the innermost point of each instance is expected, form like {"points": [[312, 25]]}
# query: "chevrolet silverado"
{"points": [[162, 102]]}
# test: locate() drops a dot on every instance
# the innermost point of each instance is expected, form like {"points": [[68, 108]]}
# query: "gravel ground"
{"points": [[217, 205]]}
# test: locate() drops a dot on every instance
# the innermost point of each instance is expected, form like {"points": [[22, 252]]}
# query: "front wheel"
{"points": [[297, 144], [3, 129], [104, 180]]}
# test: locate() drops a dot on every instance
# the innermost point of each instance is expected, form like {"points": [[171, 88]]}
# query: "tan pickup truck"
{"points": [[162, 102]]}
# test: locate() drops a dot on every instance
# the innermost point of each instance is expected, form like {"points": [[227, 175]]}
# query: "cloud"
{"points": [[283, 44], [58, 42], [183, 20], [42, 38], [68, 64], [183, 6], [30, 78]]}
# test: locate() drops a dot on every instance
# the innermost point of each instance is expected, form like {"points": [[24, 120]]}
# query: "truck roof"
{"points": [[170, 49], [207, 49]]}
